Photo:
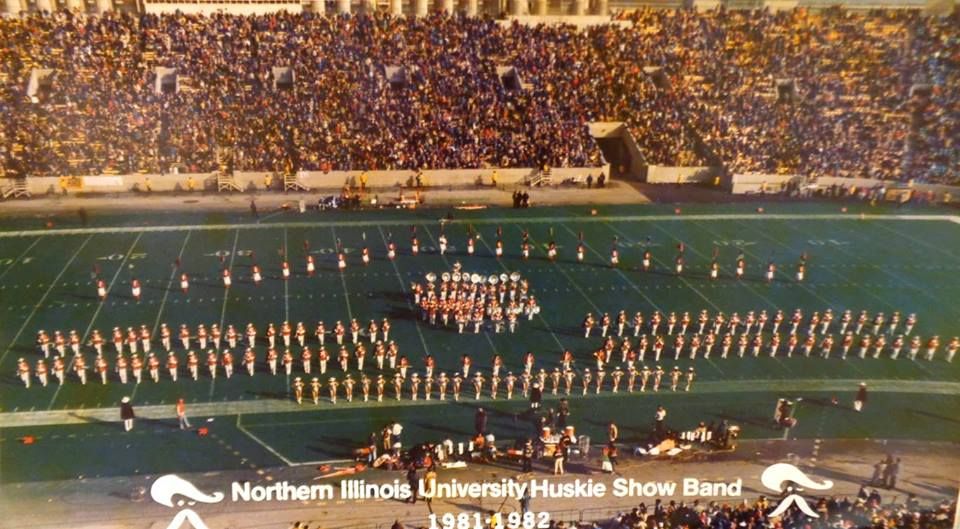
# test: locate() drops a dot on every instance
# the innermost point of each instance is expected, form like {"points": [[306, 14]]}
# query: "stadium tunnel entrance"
{"points": [[619, 149]]}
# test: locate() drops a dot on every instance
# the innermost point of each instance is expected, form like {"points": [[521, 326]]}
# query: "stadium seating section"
{"points": [[830, 93]]}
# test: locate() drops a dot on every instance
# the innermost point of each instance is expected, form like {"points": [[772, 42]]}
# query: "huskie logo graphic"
{"points": [[774, 478], [165, 487]]}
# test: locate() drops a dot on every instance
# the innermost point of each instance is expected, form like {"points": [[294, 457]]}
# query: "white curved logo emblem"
{"points": [[774, 478], [166, 487]]}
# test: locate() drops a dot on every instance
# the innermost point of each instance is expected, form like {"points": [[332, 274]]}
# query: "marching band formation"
{"points": [[860, 335], [552, 253], [469, 301], [213, 339]]}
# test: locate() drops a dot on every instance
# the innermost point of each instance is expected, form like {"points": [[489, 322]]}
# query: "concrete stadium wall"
{"points": [[661, 174], [332, 182], [753, 182]]}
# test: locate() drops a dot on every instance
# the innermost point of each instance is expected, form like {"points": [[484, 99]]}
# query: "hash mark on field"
{"points": [[19, 257], [93, 319], [43, 298]]}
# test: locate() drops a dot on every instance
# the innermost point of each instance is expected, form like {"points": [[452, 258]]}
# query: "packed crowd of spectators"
{"points": [[826, 93], [866, 510]]}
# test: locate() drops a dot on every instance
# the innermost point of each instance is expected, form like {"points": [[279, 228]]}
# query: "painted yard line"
{"points": [[829, 303], [629, 282], [576, 285], [260, 442], [495, 220], [226, 291], [780, 271], [19, 257], [173, 277], [93, 319], [403, 288], [43, 298], [921, 242], [230, 408], [637, 288], [830, 269], [680, 277], [323, 462], [343, 280], [796, 408], [436, 244], [505, 269], [297, 423], [163, 302], [867, 290], [754, 291], [286, 284], [896, 277]]}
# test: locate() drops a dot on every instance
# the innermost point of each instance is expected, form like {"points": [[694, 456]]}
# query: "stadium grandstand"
{"points": [[817, 93], [724, 296]]}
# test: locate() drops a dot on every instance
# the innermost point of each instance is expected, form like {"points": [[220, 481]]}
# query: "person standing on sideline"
{"points": [[528, 457], [430, 486], [559, 455], [659, 422], [414, 484], [126, 414], [536, 397], [525, 500], [182, 414], [861, 397], [480, 421], [890, 474]]}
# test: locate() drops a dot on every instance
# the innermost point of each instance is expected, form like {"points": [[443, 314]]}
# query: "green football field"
{"points": [[887, 260]]}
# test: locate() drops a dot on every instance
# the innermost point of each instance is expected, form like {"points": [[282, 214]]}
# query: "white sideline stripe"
{"points": [[43, 298], [260, 442], [325, 462], [93, 319], [19, 257], [492, 220], [706, 387]]}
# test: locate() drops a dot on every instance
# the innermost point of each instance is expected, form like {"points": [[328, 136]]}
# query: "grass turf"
{"points": [[877, 265]]}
